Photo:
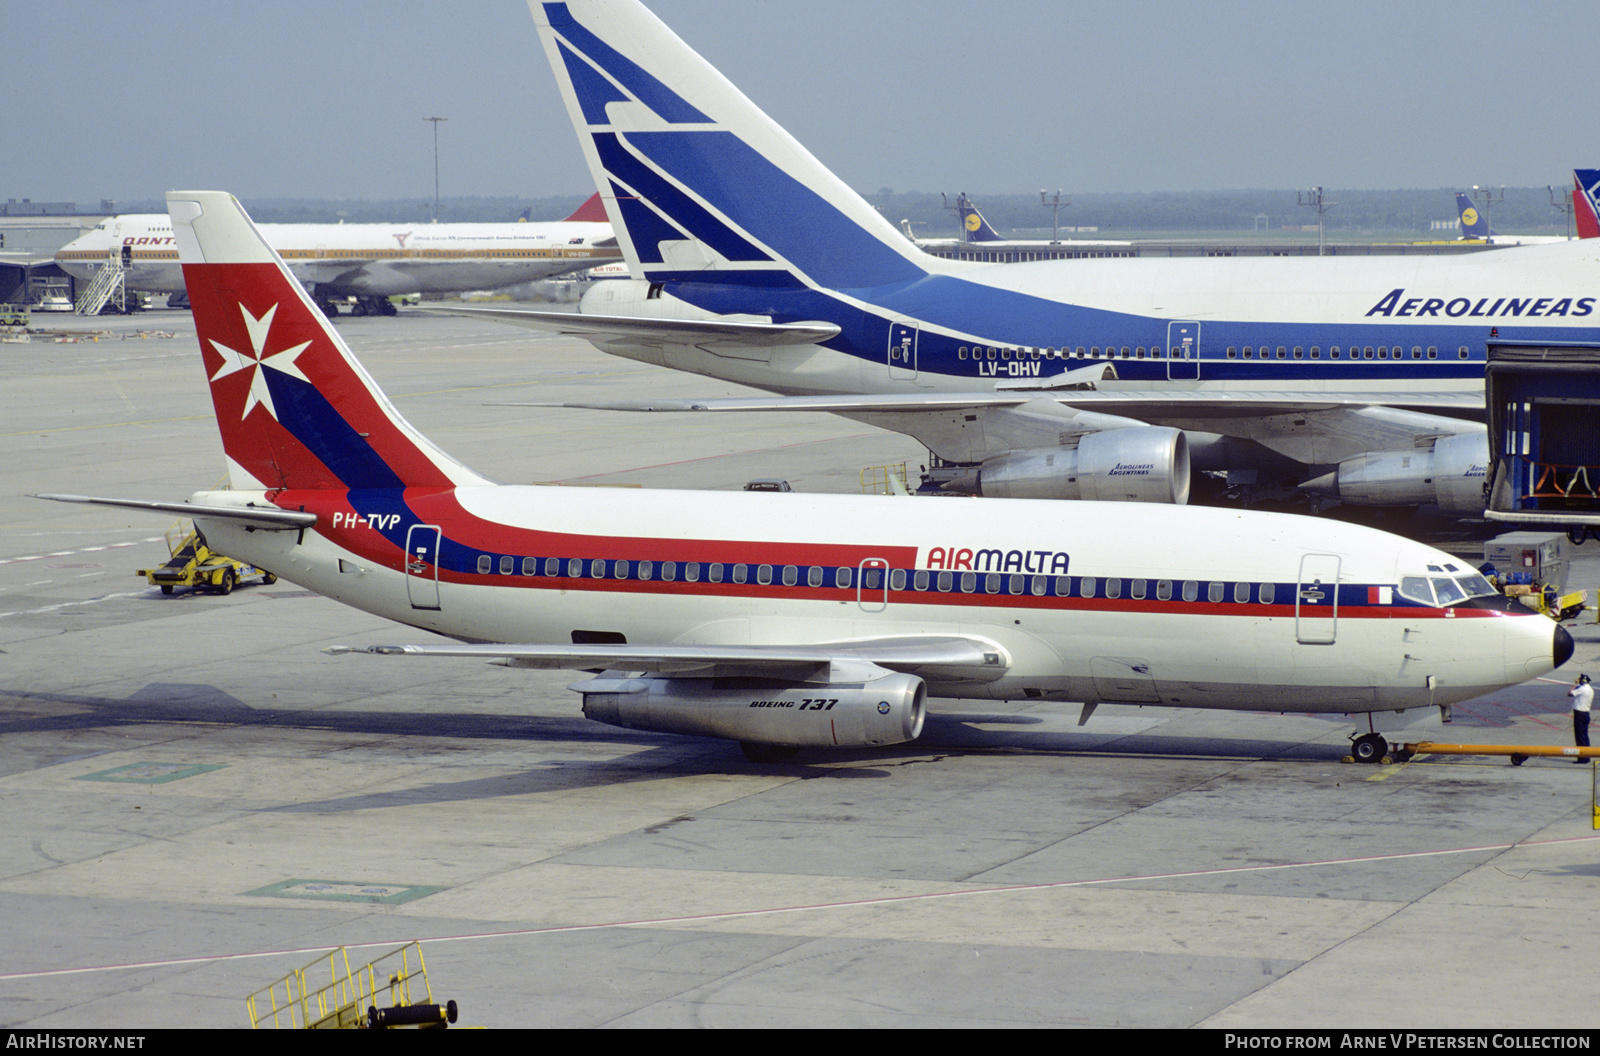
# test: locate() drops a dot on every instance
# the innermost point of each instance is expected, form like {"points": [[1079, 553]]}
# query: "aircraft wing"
{"points": [[942, 657], [267, 518], [1133, 404], [1155, 406], [1307, 427], [647, 331], [328, 271], [1160, 405]]}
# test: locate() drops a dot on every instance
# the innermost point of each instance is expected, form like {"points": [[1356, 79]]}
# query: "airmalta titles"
{"points": [[965, 559]]}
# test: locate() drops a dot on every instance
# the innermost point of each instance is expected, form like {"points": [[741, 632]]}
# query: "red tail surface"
{"points": [[295, 409]]}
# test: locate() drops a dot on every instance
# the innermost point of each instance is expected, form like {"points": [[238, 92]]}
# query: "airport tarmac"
{"points": [[195, 800]]}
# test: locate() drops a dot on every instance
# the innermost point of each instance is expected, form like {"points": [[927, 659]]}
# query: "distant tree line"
{"points": [[1524, 209]]}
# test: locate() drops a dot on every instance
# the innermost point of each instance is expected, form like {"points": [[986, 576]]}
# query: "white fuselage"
{"points": [[1087, 601], [377, 260], [1381, 324]]}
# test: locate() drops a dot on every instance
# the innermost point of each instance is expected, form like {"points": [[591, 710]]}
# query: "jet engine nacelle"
{"points": [[1139, 464], [887, 710], [1451, 474]]}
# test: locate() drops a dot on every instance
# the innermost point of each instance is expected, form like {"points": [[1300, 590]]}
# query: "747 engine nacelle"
{"points": [[885, 710], [1137, 464], [1451, 474]]}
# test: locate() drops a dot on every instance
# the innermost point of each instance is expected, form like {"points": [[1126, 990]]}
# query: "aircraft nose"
{"points": [[1561, 648]]}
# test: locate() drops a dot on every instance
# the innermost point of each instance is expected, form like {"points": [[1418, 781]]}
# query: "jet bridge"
{"points": [[1544, 435]]}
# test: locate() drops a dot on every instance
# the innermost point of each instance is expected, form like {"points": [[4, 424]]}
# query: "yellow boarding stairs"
{"points": [[884, 480], [376, 996]]}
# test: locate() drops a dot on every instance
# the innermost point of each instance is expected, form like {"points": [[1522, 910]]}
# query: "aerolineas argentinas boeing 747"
{"points": [[755, 264], [782, 620]]}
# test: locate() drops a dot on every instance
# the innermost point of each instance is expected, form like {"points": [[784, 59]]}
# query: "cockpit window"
{"points": [[1443, 590], [1416, 589]]}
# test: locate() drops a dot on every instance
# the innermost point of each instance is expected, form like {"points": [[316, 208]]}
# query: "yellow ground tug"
{"points": [[194, 564]]}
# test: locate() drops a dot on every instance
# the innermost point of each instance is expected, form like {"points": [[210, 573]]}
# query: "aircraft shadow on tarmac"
{"points": [[945, 733]]}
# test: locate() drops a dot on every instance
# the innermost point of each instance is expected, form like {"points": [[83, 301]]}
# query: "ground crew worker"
{"points": [[1582, 694]]}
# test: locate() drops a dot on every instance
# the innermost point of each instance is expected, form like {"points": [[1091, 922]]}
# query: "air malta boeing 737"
{"points": [[370, 262], [757, 265], [788, 620]]}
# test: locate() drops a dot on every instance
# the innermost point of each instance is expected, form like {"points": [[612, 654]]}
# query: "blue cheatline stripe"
{"points": [[777, 210], [323, 431], [672, 202], [671, 106], [928, 584]]}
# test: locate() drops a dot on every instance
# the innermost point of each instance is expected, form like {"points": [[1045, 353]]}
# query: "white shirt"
{"points": [[1582, 696]]}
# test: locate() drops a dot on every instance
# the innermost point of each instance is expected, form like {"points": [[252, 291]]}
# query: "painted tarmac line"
{"points": [[773, 911]]}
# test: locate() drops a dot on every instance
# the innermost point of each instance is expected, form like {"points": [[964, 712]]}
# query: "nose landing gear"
{"points": [[1370, 748]]}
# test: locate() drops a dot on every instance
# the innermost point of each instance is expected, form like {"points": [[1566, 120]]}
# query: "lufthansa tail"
{"points": [[698, 181], [295, 409], [1473, 225], [974, 228]]}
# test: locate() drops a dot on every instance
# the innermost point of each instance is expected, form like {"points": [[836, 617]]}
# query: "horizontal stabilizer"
{"points": [[942, 658], [911, 401], [654, 331], [268, 518]]}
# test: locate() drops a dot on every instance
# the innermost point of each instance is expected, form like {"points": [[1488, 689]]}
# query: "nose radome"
{"points": [[1561, 647]]}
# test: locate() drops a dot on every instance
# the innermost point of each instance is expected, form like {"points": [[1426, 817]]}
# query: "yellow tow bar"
{"points": [[1519, 753]]}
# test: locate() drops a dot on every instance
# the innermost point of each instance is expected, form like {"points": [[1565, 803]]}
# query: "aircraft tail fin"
{"points": [[592, 211], [1473, 225], [699, 183], [974, 228], [295, 409], [1586, 202]]}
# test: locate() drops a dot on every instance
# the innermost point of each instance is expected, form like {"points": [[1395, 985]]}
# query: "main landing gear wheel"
{"points": [[1371, 748]]}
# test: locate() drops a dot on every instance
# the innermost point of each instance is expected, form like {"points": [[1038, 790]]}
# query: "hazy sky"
{"points": [[296, 98]]}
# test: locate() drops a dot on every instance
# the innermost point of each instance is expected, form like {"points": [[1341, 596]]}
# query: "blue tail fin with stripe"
{"points": [[699, 183]]}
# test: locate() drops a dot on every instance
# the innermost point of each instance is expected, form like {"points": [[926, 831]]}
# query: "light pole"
{"points": [[1314, 198], [436, 121], [1486, 196], [1055, 205], [1563, 204]]}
